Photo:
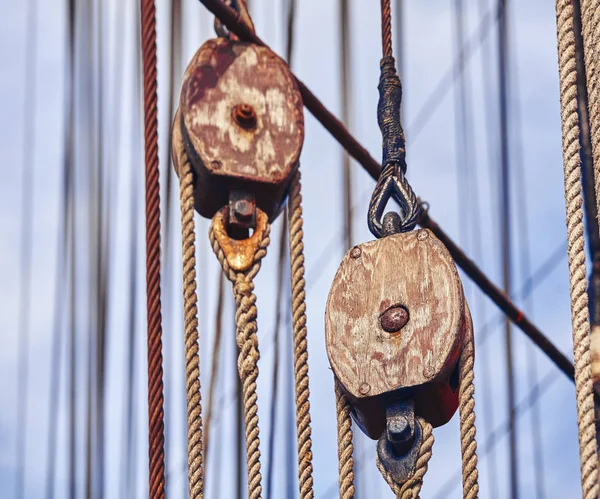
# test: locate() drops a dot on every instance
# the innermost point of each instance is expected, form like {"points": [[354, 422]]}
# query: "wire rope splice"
{"points": [[240, 127], [398, 329], [392, 182]]}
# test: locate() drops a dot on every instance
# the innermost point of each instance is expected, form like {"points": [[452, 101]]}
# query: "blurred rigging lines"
{"points": [[26, 243], [470, 213], [66, 199]]}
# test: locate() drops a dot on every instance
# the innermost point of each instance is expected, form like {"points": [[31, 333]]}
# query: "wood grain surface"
{"points": [[413, 270]]}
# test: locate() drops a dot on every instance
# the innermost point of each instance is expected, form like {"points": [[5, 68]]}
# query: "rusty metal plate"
{"points": [[241, 119]]}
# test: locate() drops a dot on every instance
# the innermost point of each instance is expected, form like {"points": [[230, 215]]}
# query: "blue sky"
{"points": [[433, 162]]}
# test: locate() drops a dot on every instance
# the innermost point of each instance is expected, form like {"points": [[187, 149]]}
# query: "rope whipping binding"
{"points": [[296, 235], [156, 436], [575, 237], [190, 320]]}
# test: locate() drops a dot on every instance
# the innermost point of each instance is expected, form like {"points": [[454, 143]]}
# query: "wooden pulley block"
{"points": [[394, 323], [240, 121]]}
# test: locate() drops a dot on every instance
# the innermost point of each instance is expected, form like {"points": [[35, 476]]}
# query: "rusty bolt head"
{"points": [[399, 430], [422, 235], [245, 116], [394, 319], [243, 209], [356, 252], [364, 388], [216, 164]]}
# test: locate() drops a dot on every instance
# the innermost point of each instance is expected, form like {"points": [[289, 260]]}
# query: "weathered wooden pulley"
{"points": [[240, 122], [395, 320]]}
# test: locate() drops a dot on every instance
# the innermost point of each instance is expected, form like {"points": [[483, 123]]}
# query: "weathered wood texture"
{"points": [[258, 154], [413, 270]]}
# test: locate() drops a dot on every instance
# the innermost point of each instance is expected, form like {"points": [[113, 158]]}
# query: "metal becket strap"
{"points": [[398, 447]]}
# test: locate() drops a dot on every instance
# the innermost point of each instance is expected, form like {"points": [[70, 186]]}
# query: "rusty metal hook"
{"points": [[239, 252]]}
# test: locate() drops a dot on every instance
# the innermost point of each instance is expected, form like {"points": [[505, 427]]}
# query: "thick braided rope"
{"points": [[156, 434], [190, 321], [345, 443], [303, 429], [576, 250], [247, 341], [466, 405], [411, 488]]}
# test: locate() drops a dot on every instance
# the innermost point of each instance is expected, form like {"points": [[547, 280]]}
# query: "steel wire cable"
{"points": [[156, 438]]}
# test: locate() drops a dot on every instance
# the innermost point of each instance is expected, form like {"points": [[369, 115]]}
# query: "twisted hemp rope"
{"points": [[156, 414], [576, 250], [247, 341], [466, 407], [303, 428], [190, 319], [345, 445]]}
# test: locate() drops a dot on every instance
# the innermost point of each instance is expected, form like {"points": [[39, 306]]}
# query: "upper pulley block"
{"points": [[240, 121]]}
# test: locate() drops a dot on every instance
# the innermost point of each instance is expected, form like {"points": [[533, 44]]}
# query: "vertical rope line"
{"points": [[156, 437], [590, 204], [345, 443], [190, 319], [303, 428], [247, 341], [576, 251], [468, 442]]}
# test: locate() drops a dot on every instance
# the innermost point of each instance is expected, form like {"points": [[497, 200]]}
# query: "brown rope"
{"points": [[345, 443], [305, 467], [190, 320], [468, 442], [156, 437], [247, 341], [576, 249]]}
